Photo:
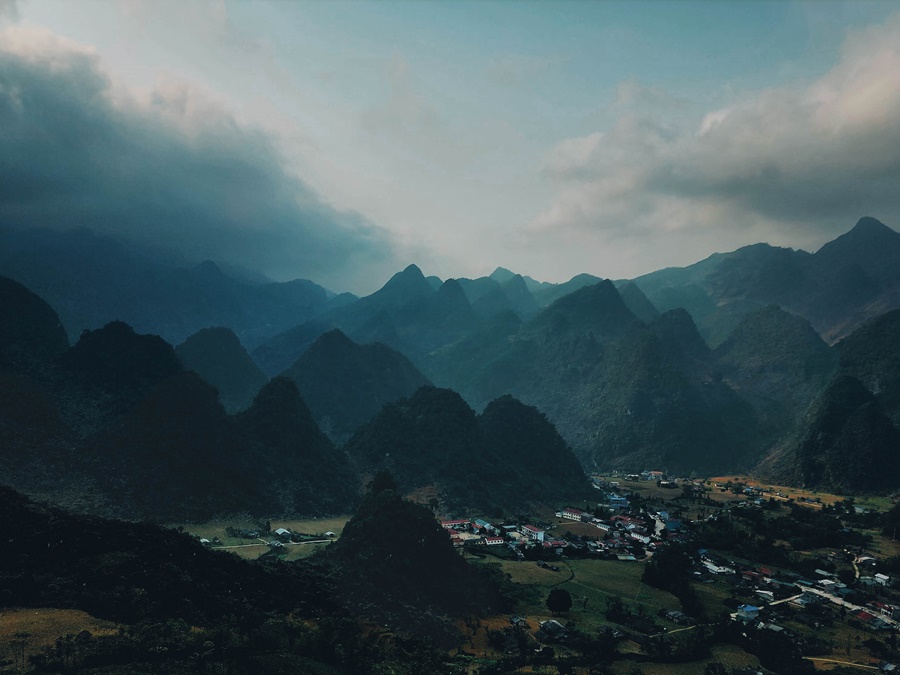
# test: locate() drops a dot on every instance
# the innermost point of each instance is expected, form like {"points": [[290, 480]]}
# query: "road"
{"points": [[843, 663], [263, 542], [856, 608]]}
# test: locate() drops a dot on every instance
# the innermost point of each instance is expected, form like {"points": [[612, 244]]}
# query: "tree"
{"points": [[382, 481], [559, 601]]}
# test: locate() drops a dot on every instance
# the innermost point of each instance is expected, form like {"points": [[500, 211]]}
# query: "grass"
{"points": [[252, 548], [593, 582], [216, 528], [728, 655], [874, 503], [45, 626]]}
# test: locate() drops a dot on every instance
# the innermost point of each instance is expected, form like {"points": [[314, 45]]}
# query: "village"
{"points": [[835, 603], [639, 515]]}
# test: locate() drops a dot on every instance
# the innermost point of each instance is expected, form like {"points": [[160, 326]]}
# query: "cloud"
{"points": [[797, 164], [9, 9], [171, 167]]}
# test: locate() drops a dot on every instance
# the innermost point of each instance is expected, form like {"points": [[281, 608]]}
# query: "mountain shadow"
{"points": [[847, 446], [434, 439], [395, 564], [346, 384], [218, 356]]}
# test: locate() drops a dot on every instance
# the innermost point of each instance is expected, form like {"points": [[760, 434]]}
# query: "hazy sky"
{"points": [[340, 141]]}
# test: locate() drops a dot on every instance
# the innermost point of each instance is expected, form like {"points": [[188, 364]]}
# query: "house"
{"points": [[748, 613], [675, 616], [551, 630], [531, 532], [493, 541], [454, 524], [617, 502], [574, 514], [281, 532], [882, 579], [768, 596]]}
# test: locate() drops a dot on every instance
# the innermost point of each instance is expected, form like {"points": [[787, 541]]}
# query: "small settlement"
{"points": [[622, 533], [628, 529]]}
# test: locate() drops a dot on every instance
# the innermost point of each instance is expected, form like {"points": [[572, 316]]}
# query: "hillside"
{"points": [[846, 445], [872, 355], [217, 355], [846, 282], [396, 563], [346, 384], [182, 608], [433, 438], [776, 361]]}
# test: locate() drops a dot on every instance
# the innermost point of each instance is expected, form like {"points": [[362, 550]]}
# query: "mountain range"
{"points": [[719, 366]]}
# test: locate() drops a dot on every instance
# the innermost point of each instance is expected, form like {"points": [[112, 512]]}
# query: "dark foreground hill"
{"points": [[187, 609], [397, 564]]}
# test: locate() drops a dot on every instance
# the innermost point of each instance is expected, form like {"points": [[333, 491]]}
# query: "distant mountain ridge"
{"points": [[715, 366], [92, 279], [851, 279]]}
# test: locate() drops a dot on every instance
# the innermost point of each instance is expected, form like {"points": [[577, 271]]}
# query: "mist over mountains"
{"points": [[742, 361]]}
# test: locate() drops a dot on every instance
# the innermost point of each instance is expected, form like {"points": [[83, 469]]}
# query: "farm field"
{"points": [[44, 626], [590, 583], [251, 549], [875, 503]]}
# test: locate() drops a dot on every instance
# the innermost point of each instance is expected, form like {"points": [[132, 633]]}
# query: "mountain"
{"points": [[535, 360], [872, 354], [775, 360], [846, 282], [346, 384], [649, 403], [547, 294], [217, 355], [846, 446], [407, 313], [171, 458], [624, 394], [396, 563], [433, 438], [115, 424], [31, 333], [91, 280], [295, 467], [279, 352], [637, 302], [107, 372]]}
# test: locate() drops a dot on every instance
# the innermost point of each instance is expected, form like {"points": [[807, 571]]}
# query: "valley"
{"points": [[821, 596], [488, 475]]}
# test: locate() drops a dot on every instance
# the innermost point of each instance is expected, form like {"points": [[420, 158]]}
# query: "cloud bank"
{"points": [[171, 167], [792, 165]]}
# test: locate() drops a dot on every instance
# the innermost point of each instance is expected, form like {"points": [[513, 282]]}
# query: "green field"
{"points": [[251, 549], [591, 583]]}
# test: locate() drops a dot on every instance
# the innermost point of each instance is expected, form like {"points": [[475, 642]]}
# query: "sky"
{"points": [[341, 141]]}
